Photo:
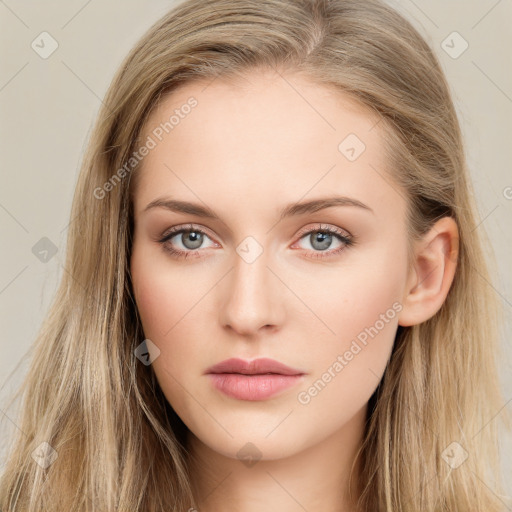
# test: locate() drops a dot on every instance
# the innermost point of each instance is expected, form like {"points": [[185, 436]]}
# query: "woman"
{"points": [[275, 297]]}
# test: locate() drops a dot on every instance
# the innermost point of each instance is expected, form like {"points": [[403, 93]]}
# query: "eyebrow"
{"points": [[289, 211]]}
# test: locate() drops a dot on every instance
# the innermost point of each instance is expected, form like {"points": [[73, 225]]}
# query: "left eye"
{"points": [[321, 240]]}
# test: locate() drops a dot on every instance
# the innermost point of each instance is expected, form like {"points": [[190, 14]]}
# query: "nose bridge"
{"points": [[251, 301]]}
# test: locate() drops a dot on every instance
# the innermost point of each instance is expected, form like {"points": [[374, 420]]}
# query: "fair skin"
{"points": [[246, 151]]}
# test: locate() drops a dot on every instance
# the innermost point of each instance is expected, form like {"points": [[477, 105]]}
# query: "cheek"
{"points": [[163, 293], [169, 306], [362, 308], [347, 371], [358, 301]]}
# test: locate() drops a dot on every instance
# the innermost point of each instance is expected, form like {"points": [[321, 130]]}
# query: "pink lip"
{"points": [[253, 380]]}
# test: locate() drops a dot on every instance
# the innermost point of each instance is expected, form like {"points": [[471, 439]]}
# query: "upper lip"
{"points": [[255, 367]]}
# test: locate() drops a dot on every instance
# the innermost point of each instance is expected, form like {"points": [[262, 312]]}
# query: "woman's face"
{"points": [[318, 289]]}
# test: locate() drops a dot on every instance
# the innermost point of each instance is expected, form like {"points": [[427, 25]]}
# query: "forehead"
{"points": [[261, 105], [265, 132]]}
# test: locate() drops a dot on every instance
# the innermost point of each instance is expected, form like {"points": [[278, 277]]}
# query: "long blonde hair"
{"points": [[118, 443]]}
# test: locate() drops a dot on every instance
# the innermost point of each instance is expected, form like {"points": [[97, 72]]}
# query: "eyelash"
{"points": [[348, 241]]}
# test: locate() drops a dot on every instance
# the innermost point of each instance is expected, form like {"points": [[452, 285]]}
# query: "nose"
{"points": [[252, 301]]}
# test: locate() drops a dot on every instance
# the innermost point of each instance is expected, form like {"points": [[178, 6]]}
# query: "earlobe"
{"points": [[435, 262]]}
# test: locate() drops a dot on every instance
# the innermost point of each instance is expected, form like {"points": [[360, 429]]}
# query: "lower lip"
{"points": [[252, 387]]}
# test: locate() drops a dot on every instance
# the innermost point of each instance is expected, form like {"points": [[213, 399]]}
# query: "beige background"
{"points": [[48, 106]]}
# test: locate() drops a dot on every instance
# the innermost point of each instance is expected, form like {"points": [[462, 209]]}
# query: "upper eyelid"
{"points": [[184, 227], [324, 227]]}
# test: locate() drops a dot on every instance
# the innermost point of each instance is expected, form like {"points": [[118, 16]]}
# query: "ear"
{"points": [[428, 283]]}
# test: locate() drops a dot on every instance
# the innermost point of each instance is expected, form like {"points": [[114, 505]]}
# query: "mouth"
{"points": [[259, 379]]}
